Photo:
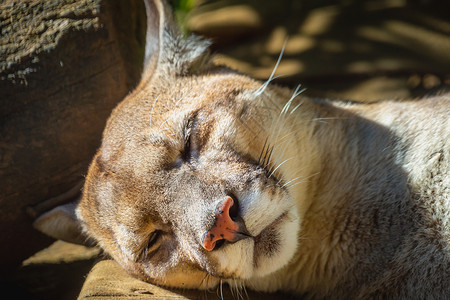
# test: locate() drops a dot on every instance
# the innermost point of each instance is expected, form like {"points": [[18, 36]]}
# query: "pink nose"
{"points": [[224, 227]]}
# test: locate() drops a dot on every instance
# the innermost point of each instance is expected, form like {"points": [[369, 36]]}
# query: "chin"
{"points": [[275, 246]]}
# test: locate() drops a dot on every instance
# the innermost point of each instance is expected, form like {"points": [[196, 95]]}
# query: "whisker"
{"points": [[241, 288], [283, 112], [245, 291], [267, 82], [178, 101], [151, 111], [221, 291], [203, 280], [262, 150], [294, 184], [240, 291], [279, 141], [236, 289], [301, 181], [297, 91], [165, 121], [295, 108], [279, 144], [322, 119], [288, 104], [248, 127], [328, 119], [232, 289], [267, 162], [279, 166], [284, 185], [262, 88], [267, 151]]}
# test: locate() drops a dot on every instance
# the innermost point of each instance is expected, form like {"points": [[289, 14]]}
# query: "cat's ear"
{"points": [[61, 221], [167, 51]]}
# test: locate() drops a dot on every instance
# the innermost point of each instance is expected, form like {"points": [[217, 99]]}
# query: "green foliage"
{"points": [[183, 5], [182, 9]]}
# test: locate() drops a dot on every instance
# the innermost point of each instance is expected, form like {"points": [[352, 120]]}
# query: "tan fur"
{"points": [[343, 200]]}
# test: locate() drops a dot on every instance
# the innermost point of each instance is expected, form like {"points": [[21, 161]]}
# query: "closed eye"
{"points": [[190, 149], [153, 238], [186, 154], [151, 243]]}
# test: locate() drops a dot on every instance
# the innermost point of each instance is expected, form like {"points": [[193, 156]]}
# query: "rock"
{"points": [[108, 281], [64, 64], [56, 272]]}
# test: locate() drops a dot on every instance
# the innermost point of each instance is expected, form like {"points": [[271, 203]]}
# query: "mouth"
{"points": [[262, 253], [275, 245], [270, 229]]}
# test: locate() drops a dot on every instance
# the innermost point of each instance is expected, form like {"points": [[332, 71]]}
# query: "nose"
{"points": [[226, 227]]}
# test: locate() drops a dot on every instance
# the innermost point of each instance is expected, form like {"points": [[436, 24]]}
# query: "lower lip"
{"points": [[271, 225]]}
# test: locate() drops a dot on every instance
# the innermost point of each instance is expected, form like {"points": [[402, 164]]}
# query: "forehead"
{"points": [[197, 92], [152, 120]]}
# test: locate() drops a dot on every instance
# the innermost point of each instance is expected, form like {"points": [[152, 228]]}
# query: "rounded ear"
{"points": [[56, 217], [61, 223], [155, 23], [167, 51]]}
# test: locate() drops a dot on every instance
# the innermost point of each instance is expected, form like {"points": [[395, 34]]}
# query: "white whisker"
{"points": [[288, 103], [262, 151], [263, 87], [163, 123], [236, 289], [231, 287], [298, 91], [205, 282], [295, 108], [286, 109], [278, 144], [279, 166], [284, 185], [275, 133], [320, 119], [151, 111], [245, 291], [280, 180], [301, 181]]}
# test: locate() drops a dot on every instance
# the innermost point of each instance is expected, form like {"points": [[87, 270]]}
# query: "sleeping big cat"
{"points": [[207, 176]]}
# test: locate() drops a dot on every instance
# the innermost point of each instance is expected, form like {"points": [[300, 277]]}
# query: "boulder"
{"points": [[64, 64]]}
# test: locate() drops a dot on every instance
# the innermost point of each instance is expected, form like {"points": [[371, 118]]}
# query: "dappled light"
{"points": [[334, 48]]}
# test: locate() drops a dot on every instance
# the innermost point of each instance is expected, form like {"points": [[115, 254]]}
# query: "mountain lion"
{"points": [[207, 176]]}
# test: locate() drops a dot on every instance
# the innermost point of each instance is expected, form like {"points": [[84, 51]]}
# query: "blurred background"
{"points": [[64, 64], [360, 50]]}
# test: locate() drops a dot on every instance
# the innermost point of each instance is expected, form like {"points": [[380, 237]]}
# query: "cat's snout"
{"points": [[228, 226]]}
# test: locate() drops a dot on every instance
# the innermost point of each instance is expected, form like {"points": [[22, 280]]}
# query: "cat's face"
{"points": [[170, 155], [186, 166]]}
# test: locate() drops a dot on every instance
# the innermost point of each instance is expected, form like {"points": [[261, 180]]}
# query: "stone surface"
{"points": [[108, 281], [64, 64], [56, 272]]}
